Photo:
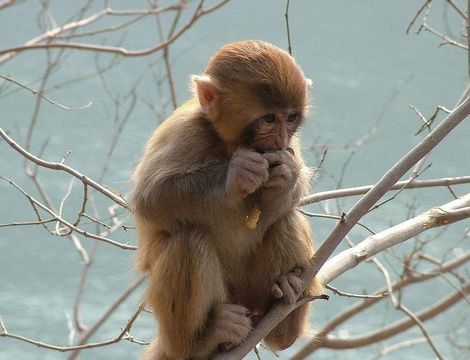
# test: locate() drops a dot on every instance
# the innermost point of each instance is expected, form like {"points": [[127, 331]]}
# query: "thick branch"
{"points": [[454, 211]]}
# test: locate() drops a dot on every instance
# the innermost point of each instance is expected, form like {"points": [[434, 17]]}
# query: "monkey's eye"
{"points": [[269, 119], [292, 117]]}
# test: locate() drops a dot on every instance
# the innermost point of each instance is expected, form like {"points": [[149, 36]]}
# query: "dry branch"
{"points": [[359, 307], [396, 327], [123, 335], [62, 167], [361, 190], [453, 211], [38, 205], [118, 50]]}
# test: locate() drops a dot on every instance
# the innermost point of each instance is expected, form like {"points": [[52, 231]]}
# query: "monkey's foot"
{"points": [[231, 323], [288, 287]]}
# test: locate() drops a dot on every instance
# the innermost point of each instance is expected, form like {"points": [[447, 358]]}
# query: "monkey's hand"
{"points": [[283, 170], [231, 324], [247, 171], [288, 287]]}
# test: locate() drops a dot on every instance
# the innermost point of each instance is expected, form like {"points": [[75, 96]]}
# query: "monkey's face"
{"points": [[243, 83], [273, 131]]}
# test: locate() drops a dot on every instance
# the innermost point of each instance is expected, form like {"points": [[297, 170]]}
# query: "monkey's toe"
{"points": [[232, 323]]}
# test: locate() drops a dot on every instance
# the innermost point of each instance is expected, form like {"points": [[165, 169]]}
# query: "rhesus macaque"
{"points": [[215, 203]]}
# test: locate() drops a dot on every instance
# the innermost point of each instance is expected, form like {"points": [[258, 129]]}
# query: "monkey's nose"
{"points": [[281, 143]]}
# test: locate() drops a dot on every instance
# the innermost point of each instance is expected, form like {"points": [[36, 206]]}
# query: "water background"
{"points": [[366, 73]]}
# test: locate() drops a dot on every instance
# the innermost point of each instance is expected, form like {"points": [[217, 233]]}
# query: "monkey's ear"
{"points": [[206, 91], [309, 83]]}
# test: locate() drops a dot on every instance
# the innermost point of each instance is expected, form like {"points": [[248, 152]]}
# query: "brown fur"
{"points": [[193, 240]]}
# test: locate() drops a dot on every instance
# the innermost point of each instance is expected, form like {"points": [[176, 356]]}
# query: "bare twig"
{"points": [[62, 167], [398, 305], [357, 296], [394, 328], [65, 222], [457, 9], [403, 344], [361, 190], [6, 78], [335, 217], [198, 13], [88, 333], [412, 178], [286, 15], [426, 4], [367, 303], [447, 40], [123, 335]]}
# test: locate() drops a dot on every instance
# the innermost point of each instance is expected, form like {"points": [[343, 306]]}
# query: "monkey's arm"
{"points": [[200, 191], [189, 194]]}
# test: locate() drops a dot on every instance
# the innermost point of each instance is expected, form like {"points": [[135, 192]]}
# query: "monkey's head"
{"points": [[254, 94]]}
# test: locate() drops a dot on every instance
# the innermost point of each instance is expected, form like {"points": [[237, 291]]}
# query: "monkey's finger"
{"points": [[250, 183], [277, 292], [287, 157], [279, 157], [279, 179], [241, 321], [281, 171], [289, 293], [234, 308], [250, 165], [273, 158], [253, 156], [276, 183], [235, 334], [256, 170], [295, 282], [241, 331]]}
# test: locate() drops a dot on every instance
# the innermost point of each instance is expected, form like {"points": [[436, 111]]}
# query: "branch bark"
{"points": [[451, 212]]}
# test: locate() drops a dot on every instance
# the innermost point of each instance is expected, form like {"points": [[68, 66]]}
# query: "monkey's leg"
{"points": [[187, 293], [288, 330], [286, 249]]}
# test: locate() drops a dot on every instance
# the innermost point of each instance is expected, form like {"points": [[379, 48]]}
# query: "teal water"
{"points": [[366, 73]]}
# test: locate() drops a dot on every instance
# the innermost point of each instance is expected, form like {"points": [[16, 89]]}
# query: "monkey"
{"points": [[215, 206]]}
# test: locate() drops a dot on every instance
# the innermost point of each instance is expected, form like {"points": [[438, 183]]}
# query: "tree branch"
{"points": [[62, 167]]}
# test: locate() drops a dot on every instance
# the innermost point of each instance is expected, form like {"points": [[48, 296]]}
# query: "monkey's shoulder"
{"points": [[187, 135]]}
